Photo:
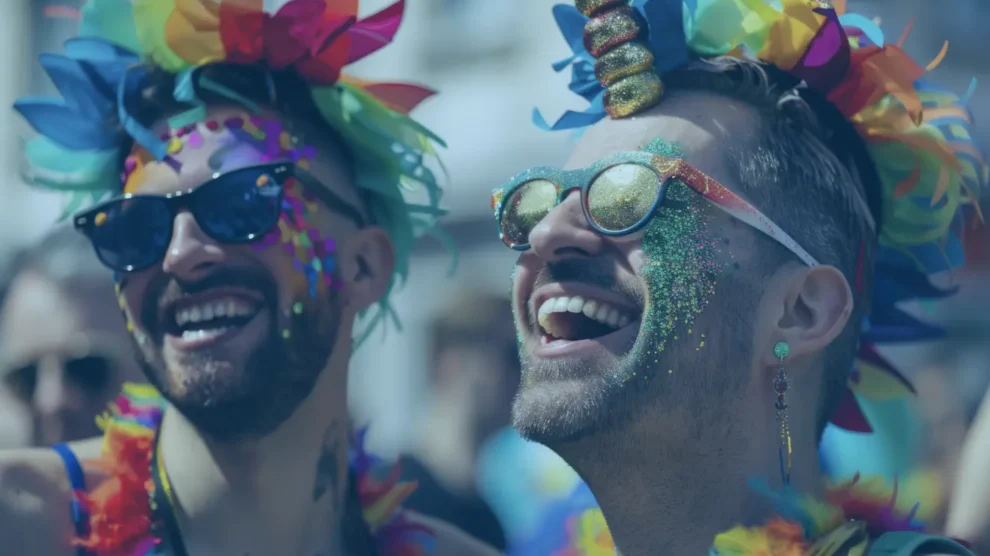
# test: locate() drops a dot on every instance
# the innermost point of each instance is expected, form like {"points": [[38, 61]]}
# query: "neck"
{"points": [[677, 495], [281, 494]]}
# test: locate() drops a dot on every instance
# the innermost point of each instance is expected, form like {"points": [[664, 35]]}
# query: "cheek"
{"points": [[298, 251], [130, 294], [680, 266]]}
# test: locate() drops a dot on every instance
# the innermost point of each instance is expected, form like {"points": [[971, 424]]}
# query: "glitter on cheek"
{"points": [[139, 336], [681, 270], [313, 254]]}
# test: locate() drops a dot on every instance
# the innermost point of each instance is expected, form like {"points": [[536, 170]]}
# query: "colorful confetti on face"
{"points": [[313, 253], [258, 140], [681, 269]]}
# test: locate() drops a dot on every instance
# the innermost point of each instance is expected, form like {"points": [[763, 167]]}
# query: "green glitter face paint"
{"points": [[681, 268]]}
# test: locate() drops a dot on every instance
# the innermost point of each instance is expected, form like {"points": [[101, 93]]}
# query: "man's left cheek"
{"points": [[313, 254], [129, 321]]}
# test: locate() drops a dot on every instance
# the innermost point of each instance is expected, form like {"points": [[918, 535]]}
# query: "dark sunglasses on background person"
{"points": [[619, 195], [91, 373], [133, 232]]}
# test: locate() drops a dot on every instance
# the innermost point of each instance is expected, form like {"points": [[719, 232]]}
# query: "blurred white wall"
{"points": [[24, 213]]}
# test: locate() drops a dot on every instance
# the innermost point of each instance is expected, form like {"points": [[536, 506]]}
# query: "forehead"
{"points": [[701, 125], [38, 316], [227, 139]]}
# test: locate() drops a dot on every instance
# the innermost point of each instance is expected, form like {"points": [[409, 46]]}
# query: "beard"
{"points": [[568, 404], [692, 349], [277, 376]]}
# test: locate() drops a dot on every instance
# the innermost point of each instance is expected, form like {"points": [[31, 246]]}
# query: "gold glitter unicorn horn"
{"points": [[623, 63]]}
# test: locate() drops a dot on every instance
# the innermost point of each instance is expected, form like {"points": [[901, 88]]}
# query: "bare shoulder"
{"points": [[451, 541], [35, 497]]}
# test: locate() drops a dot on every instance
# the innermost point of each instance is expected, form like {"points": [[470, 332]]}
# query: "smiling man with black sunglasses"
{"points": [[254, 214]]}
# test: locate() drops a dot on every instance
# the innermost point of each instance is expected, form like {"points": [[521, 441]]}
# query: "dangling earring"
{"points": [[782, 350]]}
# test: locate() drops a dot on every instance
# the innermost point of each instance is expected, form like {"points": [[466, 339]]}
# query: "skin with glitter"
{"points": [[681, 271], [290, 271], [675, 264]]}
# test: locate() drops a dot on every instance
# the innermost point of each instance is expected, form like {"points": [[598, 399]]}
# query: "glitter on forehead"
{"points": [[663, 148], [266, 136]]}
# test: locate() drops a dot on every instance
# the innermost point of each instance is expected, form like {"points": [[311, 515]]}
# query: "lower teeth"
{"points": [[193, 335]]}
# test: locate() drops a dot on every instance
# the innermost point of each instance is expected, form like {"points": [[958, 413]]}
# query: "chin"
{"points": [[575, 389]]}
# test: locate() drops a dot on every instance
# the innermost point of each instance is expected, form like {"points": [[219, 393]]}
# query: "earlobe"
{"points": [[816, 312]]}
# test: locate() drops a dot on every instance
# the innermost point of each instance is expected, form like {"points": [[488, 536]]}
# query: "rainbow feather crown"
{"points": [[120, 41], [918, 135]]}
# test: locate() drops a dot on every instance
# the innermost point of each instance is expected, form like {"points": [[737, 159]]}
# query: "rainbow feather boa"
{"points": [[846, 520], [120, 518]]}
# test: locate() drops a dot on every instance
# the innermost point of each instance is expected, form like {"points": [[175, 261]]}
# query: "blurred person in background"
{"points": [[64, 350], [475, 374], [969, 509], [957, 413]]}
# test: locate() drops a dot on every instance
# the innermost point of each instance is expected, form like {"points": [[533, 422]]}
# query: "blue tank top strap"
{"points": [[77, 480]]}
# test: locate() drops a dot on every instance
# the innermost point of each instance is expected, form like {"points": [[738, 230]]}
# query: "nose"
{"points": [[565, 232], [191, 253], [53, 396]]}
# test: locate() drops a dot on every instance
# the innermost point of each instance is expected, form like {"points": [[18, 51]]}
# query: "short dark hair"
{"points": [[809, 171]]}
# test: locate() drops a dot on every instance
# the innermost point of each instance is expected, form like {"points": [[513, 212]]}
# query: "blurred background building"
{"points": [[491, 61]]}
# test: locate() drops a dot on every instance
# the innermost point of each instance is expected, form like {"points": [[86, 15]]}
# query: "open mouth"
{"points": [[204, 319], [573, 318]]}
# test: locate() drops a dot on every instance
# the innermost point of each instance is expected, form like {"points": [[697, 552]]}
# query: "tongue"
{"points": [[574, 326]]}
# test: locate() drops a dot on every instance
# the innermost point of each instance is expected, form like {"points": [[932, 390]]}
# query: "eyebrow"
{"points": [[330, 199]]}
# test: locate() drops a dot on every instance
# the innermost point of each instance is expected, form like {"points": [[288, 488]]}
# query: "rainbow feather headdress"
{"points": [[81, 135], [918, 135]]}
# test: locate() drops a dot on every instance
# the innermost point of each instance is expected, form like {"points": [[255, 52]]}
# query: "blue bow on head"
{"points": [[665, 37]]}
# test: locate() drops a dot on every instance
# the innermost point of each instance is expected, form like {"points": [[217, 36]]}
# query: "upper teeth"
{"points": [[209, 310], [593, 309]]}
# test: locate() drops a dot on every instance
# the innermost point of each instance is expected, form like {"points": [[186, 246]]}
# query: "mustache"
{"points": [[586, 271], [167, 287]]}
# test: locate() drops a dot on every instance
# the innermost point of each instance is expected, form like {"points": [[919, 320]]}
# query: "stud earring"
{"points": [[781, 350]]}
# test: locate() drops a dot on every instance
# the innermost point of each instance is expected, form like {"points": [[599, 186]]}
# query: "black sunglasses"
{"points": [[133, 232], [91, 373]]}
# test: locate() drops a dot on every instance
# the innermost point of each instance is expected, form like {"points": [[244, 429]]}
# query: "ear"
{"points": [[815, 311], [368, 266]]}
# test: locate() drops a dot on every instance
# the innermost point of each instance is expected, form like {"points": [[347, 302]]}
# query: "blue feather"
{"points": [[72, 80], [65, 126], [131, 85], [108, 61], [572, 119], [571, 23]]}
